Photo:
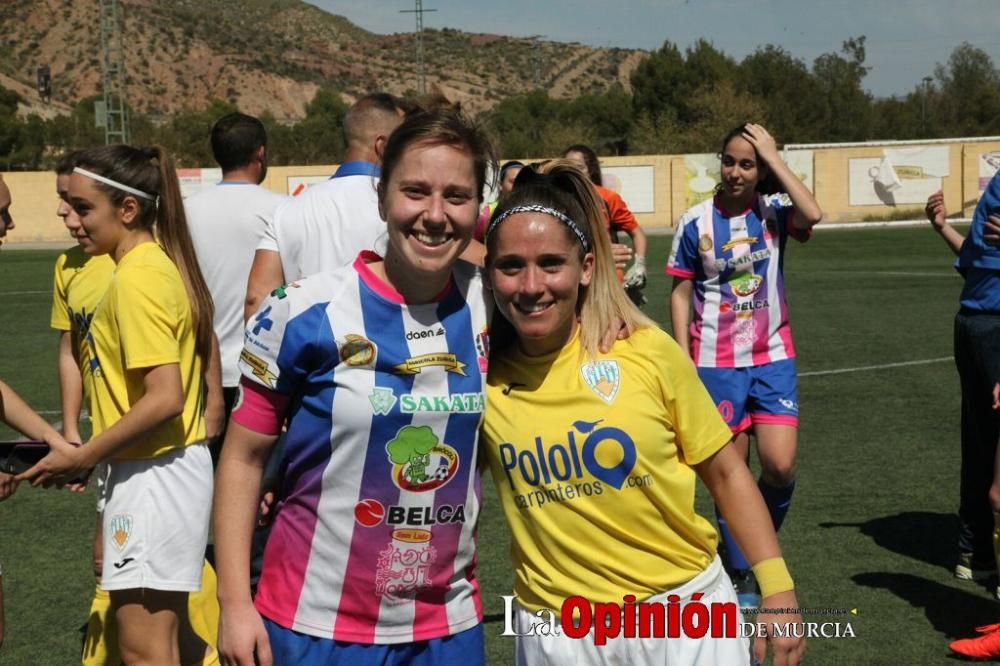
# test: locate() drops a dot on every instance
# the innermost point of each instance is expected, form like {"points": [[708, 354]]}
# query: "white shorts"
{"points": [[155, 521], [561, 650]]}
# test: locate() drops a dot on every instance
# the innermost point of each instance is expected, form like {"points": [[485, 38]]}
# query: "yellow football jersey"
{"points": [[144, 320], [592, 460], [78, 285]]}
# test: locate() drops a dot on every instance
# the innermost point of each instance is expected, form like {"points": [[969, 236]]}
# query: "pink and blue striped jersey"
{"points": [[740, 311], [374, 538]]}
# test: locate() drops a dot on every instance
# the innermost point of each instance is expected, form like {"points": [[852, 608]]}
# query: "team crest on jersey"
{"points": [[603, 377], [420, 461], [358, 350], [414, 364], [121, 530], [259, 367], [705, 243], [745, 283]]}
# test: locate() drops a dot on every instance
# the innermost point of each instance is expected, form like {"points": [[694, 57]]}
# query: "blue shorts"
{"points": [[767, 394], [291, 647]]}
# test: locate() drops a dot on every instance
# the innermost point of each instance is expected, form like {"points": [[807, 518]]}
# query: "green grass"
{"points": [[872, 526]]}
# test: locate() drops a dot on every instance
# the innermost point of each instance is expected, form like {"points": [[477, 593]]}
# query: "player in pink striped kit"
{"points": [[380, 369], [727, 257]]}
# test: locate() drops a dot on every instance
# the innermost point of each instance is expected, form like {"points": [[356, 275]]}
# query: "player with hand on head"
{"points": [[727, 257]]}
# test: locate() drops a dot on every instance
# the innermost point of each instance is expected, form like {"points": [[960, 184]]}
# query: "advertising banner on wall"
{"points": [[635, 184], [193, 181], [900, 176], [801, 164], [299, 184], [700, 177], [989, 163]]}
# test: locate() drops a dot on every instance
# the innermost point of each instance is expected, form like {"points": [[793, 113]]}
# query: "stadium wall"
{"points": [[657, 187]]}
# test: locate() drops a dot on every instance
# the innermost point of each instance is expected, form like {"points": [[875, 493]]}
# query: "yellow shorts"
{"points": [[100, 647]]}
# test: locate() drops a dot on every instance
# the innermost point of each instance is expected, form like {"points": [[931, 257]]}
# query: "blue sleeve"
{"points": [[684, 258], [785, 213], [976, 253], [282, 343]]}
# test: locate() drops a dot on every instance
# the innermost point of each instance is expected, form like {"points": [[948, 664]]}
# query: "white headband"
{"points": [[114, 183]]}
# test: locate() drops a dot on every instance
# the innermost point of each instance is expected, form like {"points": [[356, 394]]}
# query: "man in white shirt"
{"points": [[227, 223], [330, 223]]}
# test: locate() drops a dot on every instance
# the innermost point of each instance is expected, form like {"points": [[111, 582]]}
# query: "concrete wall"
{"points": [[34, 197]]}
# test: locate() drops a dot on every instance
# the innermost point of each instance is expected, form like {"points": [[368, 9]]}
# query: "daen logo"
{"points": [[565, 461], [426, 333]]}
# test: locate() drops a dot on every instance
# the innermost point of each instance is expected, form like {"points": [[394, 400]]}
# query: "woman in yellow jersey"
{"points": [[595, 456], [148, 342]]}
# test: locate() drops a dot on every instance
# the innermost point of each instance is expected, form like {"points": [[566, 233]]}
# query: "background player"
{"points": [[727, 252], [977, 358], [618, 219], [149, 339]]}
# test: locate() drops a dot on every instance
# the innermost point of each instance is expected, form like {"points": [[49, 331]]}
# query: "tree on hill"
{"points": [[966, 100], [844, 108], [787, 90]]}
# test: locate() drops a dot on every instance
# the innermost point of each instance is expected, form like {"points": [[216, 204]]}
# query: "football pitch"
{"points": [[872, 526]]}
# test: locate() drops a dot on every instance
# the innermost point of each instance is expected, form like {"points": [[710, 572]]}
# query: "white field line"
{"points": [[22, 293], [883, 366], [894, 273]]}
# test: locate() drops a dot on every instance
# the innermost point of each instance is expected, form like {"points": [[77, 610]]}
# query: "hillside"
{"points": [[272, 55]]}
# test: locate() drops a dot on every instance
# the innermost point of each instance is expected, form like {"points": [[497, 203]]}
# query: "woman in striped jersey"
{"points": [[727, 258], [379, 369]]}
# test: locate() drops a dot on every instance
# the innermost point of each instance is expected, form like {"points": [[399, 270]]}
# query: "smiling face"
{"points": [[536, 272], [102, 226], [741, 171], [430, 205]]}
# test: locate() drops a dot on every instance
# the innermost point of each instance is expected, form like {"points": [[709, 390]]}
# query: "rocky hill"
{"points": [[272, 55]]}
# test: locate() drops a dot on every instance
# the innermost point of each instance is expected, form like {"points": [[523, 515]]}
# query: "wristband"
{"points": [[772, 576]]}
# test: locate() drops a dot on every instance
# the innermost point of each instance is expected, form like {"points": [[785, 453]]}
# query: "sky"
{"points": [[905, 38]]}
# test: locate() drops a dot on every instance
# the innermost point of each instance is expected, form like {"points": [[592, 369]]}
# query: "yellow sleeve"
{"points": [[149, 315], [60, 308], [700, 430]]}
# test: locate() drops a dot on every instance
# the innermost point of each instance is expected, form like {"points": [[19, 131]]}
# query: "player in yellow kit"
{"points": [[595, 455], [146, 347]]}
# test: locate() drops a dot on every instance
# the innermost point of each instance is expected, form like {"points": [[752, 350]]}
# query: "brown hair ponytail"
{"points": [[135, 168], [172, 231]]}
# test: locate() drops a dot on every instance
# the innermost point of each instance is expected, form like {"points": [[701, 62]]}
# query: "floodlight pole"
{"points": [[418, 9], [923, 106], [116, 128], [536, 60]]}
